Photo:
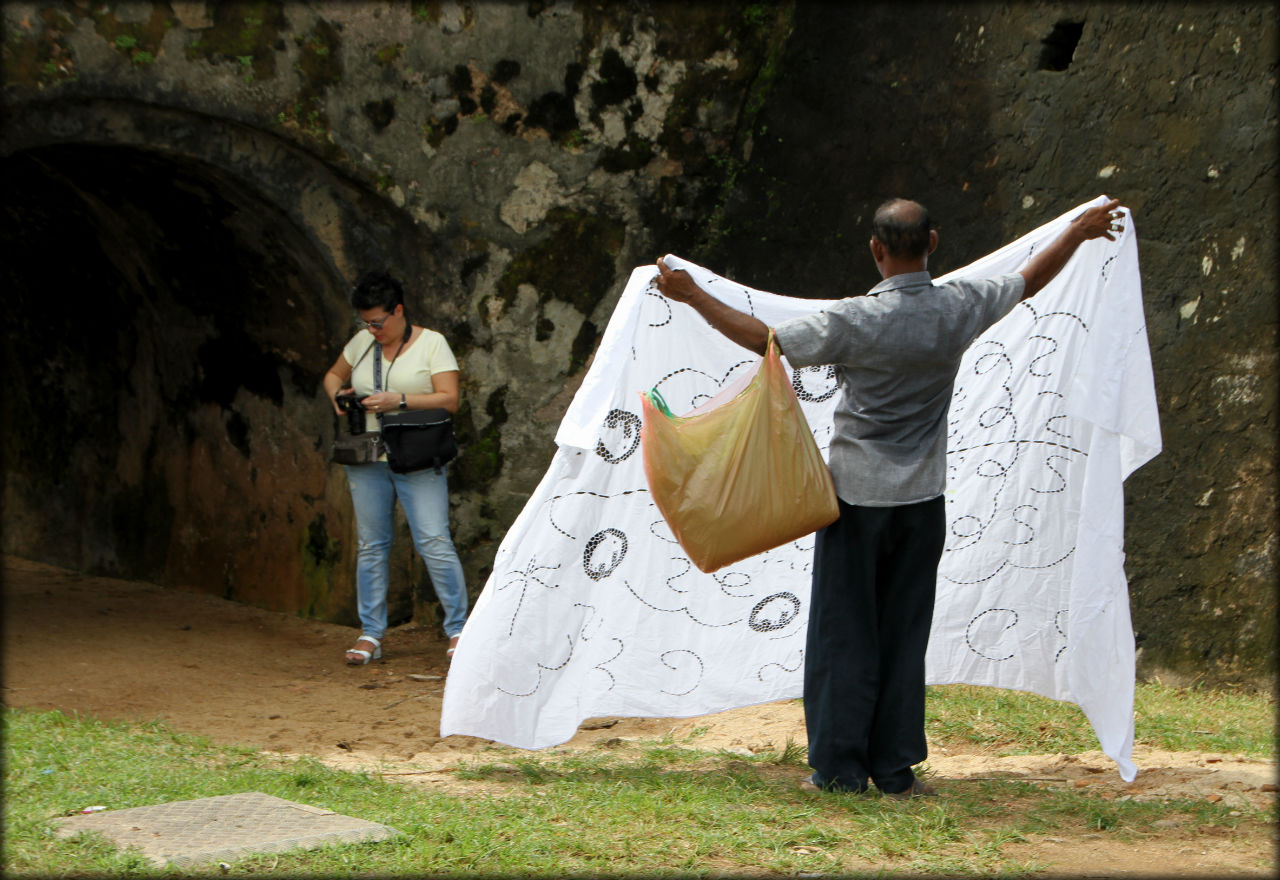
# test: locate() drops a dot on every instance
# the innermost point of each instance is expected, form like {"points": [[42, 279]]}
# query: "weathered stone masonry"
{"points": [[191, 188]]}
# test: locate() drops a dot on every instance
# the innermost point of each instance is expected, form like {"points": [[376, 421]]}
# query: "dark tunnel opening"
{"points": [[167, 331]]}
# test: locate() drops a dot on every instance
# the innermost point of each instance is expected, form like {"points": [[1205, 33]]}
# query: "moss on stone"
{"points": [[40, 59], [319, 66], [435, 130], [245, 32], [319, 60], [480, 460], [137, 41], [388, 54], [575, 264], [427, 13], [320, 554]]}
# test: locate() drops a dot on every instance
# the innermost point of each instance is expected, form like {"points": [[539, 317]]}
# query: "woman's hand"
{"points": [[337, 381], [383, 401]]}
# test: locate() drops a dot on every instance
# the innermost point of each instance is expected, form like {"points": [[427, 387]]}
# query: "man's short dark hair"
{"points": [[902, 229], [377, 289]]}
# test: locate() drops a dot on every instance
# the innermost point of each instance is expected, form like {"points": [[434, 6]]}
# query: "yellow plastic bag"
{"points": [[740, 474]]}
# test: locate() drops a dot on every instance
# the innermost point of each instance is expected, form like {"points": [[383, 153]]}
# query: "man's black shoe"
{"points": [[914, 790]]}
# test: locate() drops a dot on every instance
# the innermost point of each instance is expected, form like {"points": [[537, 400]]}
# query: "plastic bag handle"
{"points": [[656, 398]]}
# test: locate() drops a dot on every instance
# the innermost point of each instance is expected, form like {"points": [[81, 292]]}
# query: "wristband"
{"points": [[403, 404]]}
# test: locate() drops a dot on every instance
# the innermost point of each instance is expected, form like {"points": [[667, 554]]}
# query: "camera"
{"points": [[351, 405]]}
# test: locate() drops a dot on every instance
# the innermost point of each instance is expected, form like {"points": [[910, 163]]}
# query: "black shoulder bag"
{"points": [[415, 439]]}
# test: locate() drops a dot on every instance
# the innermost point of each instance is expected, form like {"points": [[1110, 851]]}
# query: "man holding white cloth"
{"points": [[896, 351]]}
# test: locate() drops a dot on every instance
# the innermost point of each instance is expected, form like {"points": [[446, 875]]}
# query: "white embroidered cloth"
{"points": [[592, 609]]}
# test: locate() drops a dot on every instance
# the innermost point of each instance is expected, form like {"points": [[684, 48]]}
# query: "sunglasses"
{"points": [[376, 325]]}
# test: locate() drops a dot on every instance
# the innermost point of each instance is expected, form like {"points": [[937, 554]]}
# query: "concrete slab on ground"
{"points": [[224, 828]]}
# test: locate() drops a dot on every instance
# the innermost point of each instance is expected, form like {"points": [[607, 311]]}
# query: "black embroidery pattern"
{"points": [[815, 384], [1019, 440], [602, 565], [785, 605], [1059, 619], [782, 667], [680, 665], [986, 632], [629, 424]]}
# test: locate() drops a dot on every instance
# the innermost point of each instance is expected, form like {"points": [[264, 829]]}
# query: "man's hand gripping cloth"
{"points": [[592, 609]]}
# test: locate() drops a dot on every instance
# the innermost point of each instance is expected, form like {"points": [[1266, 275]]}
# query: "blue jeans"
{"points": [[424, 496]]}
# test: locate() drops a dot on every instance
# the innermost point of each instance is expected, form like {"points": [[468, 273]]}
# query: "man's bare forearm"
{"points": [[1096, 222], [1045, 265], [746, 330]]}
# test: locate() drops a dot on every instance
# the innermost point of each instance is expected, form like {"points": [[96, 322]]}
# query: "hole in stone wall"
{"points": [[1059, 47]]}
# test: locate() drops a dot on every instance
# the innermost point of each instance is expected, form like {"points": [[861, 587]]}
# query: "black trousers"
{"points": [[874, 578]]}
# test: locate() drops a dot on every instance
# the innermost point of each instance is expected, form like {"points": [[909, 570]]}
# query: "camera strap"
{"points": [[377, 377], [377, 367]]}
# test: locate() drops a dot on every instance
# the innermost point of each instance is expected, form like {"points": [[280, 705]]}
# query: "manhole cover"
{"points": [[223, 828]]}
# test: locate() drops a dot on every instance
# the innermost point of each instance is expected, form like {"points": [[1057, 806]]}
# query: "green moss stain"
{"points": [[480, 460], [39, 58], [759, 45], [244, 32], [137, 41], [388, 54], [575, 264], [320, 554], [318, 57], [436, 130], [427, 13], [319, 66]]}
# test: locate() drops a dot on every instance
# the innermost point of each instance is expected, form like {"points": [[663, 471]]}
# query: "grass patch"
{"points": [[654, 808], [1175, 719]]}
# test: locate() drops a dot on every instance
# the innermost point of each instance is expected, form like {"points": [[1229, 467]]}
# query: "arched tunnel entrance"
{"points": [[167, 329]]}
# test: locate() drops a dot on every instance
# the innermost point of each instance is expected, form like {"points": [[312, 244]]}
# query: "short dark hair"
{"points": [[904, 233], [377, 289]]}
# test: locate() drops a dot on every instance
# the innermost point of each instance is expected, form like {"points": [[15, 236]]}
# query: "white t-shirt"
{"points": [[412, 370]]}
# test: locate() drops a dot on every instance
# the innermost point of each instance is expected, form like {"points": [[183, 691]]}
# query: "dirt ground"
{"points": [[241, 675]]}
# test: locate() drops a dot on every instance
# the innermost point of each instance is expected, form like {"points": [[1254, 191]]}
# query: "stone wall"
{"points": [[1000, 118], [196, 185]]}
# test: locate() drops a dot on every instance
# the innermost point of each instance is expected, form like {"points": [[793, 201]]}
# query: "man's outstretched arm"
{"points": [[1096, 222], [746, 330]]}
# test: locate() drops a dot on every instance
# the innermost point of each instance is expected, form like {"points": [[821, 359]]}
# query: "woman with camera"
{"points": [[392, 367]]}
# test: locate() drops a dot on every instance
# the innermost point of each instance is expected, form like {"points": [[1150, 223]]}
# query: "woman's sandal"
{"points": [[361, 656], [453, 646]]}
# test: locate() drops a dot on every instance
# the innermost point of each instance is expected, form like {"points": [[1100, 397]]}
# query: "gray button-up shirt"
{"points": [[896, 352]]}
